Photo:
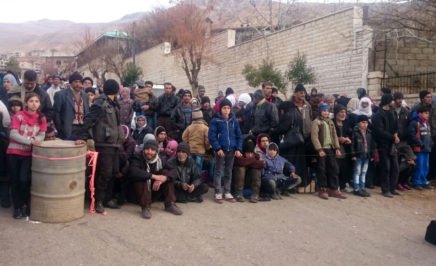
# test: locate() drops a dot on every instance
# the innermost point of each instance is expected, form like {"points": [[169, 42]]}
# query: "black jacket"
{"points": [[384, 125], [140, 171], [178, 118], [357, 144], [64, 111], [166, 104], [290, 118], [265, 118], [186, 173], [403, 118], [139, 134], [104, 120]]}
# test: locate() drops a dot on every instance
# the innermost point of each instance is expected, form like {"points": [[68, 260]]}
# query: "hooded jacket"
{"points": [[225, 134], [277, 166]]}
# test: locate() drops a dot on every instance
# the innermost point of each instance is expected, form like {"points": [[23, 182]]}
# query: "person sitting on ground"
{"points": [[188, 186], [153, 180], [279, 177], [262, 142], [170, 150], [161, 137], [248, 170]]}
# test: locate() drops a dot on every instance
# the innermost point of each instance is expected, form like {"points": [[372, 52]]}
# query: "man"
{"points": [[145, 102], [165, 104], [386, 136], [201, 92], [267, 88], [188, 186], [181, 116], [266, 116], [103, 119], [70, 107], [30, 85], [55, 87], [403, 117], [425, 99], [87, 82], [206, 109], [152, 180]]}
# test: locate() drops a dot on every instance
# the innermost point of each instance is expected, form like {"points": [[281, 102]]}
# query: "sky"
{"points": [[81, 11], [88, 11]]}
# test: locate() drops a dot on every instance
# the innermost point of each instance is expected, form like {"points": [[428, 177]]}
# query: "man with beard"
{"points": [[153, 180]]}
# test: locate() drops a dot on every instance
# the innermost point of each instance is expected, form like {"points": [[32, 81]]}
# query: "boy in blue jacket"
{"points": [[226, 140]]}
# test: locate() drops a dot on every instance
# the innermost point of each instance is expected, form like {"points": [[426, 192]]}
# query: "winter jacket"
{"points": [[166, 104], [277, 166], [246, 115], [46, 106], [178, 118], [207, 115], [141, 171], [419, 134], [225, 134], [318, 133], [384, 126], [196, 135], [126, 111], [265, 117], [139, 134], [185, 173], [357, 144], [403, 118], [64, 111], [152, 103], [104, 119], [306, 117], [255, 162], [289, 119]]}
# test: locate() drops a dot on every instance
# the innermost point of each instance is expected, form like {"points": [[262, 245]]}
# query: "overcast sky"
{"points": [[88, 11]]}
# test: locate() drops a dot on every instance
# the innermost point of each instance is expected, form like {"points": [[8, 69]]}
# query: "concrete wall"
{"points": [[336, 47]]}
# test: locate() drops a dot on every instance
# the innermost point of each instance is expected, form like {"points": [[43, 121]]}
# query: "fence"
{"points": [[412, 83]]}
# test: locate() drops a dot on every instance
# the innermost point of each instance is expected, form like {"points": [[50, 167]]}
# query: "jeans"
{"points": [[198, 158], [223, 164], [359, 173], [419, 177]]}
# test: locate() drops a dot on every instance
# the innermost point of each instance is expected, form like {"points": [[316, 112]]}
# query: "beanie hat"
{"points": [[159, 130], [361, 92], [258, 95], [197, 114], [187, 92], [151, 144], [111, 87], [229, 91], [299, 88], [386, 99], [338, 108], [324, 107], [205, 99], [273, 146], [398, 95], [245, 97], [75, 76], [423, 93], [184, 147], [249, 144], [225, 102], [9, 77], [362, 118], [148, 137]]}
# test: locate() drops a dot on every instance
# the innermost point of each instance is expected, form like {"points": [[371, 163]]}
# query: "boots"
{"points": [[336, 194], [323, 193]]}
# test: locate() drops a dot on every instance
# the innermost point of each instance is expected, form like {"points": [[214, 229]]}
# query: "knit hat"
{"points": [[299, 88], [362, 118], [338, 108], [398, 95], [249, 144], [324, 107], [148, 137], [258, 95], [184, 147], [187, 92], [386, 99], [245, 97], [205, 99], [9, 77], [140, 116], [273, 146], [361, 92], [423, 93], [159, 130], [151, 144], [225, 102], [197, 114], [75, 76], [111, 87]]}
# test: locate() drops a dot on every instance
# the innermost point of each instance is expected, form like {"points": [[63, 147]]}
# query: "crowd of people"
{"points": [[248, 147]]}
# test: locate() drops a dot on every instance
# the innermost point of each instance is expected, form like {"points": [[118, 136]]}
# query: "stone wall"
{"points": [[336, 47]]}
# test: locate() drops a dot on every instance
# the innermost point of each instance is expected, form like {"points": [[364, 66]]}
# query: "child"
{"points": [[361, 150], [196, 136], [161, 137], [28, 128], [325, 142], [420, 140], [274, 180], [226, 140]]}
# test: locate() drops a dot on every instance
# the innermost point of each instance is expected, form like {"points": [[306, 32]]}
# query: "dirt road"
{"points": [[300, 230]]}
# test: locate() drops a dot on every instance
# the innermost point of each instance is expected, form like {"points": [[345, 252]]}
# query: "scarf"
{"points": [[156, 160]]}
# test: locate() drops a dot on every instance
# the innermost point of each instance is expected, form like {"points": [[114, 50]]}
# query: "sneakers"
{"points": [[365, 192], [172, 208], [359, 193], [336, 194], [228, 197], [146, 213], [323, 194], [388, 195], [18, 214], [25, 211], [254, 199], [240, 198], [219, 198]]}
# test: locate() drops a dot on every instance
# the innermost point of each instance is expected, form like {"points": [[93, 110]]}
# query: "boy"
{"points": [[361, 150], [226, 140], [420, 140], [325, 142], [196, 136], [274, 180]]}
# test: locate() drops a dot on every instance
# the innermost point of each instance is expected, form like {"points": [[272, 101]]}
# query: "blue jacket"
{"points": [[424, 139], [225, 134], [277, 166]]}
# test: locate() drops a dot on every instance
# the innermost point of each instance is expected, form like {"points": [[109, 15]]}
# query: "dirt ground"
{"points": [[300, 230]]}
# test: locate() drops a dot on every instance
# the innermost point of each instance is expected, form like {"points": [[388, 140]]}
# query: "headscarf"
{"points": [[172, 144], [364, 111], [11, 79]]}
